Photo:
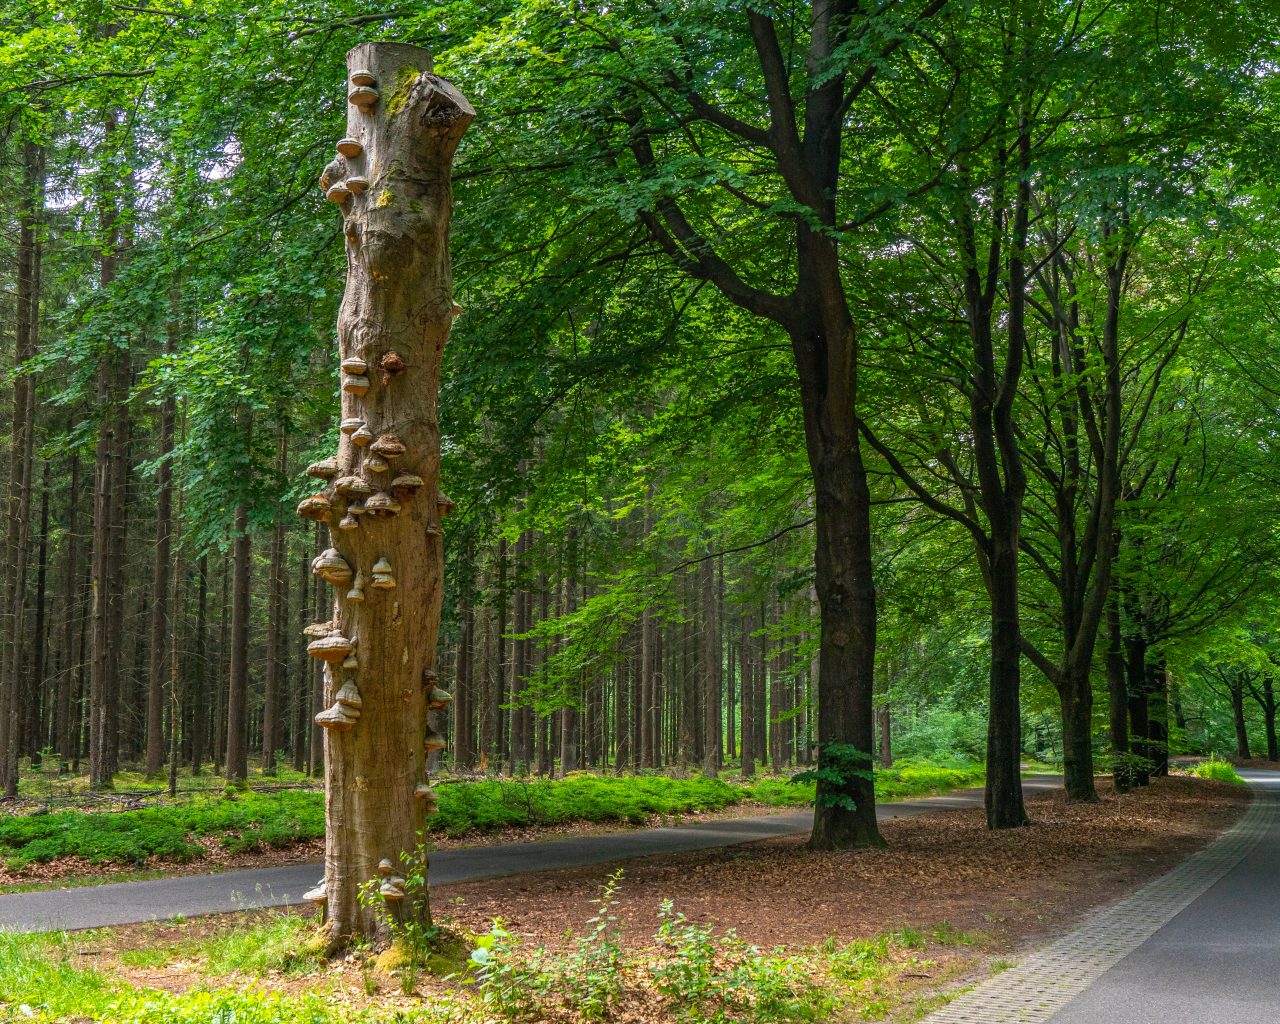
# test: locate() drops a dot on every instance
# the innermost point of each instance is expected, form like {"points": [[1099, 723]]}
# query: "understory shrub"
{"points": [[1219, 771]]}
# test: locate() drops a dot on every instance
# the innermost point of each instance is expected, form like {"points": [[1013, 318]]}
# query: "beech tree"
{"points": [[391, 180]]}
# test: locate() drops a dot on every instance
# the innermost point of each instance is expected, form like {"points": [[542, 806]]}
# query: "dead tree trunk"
{"points": [[392, 182]]}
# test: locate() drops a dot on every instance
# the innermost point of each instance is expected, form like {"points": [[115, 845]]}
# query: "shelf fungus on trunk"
{"points": [[339, 717], [316, 895], [425, 792], [353, 487], [356, 593], [348, 695], [317, 507], [444, 505], [363, 97], [325, 469], [337, 193], [349, 147], [438, 698], [388, 446], [382, 506], [332, 649], [362, 435], [355, 384], [406, 485], [350, 425], [382, 576], [351, 663], [354, 364], [434, 741], [357, 183], [348, 522], [392, 888], [376, 464], [319, 629], [331, 567]]}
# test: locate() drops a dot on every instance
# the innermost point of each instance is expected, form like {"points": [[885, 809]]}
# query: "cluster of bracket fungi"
{"points": [[350, 498]]}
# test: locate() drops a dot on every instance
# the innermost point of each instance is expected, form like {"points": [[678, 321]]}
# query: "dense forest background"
{"points": [[1088, 186]]}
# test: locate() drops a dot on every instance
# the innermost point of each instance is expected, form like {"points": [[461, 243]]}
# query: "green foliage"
{"points": [[411, 933], [245, 823], [1219, 771]]}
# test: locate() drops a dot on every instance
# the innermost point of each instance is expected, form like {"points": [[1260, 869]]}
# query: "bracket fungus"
{"points": [[349, 147], [355, 384], [388, 446], [362, 435], [325, 469], [391, 364], [406, 484], [356, 593], [337, 193], [375, 463], [363, 97], [351, 425], [338, 717], [330, 648], [390, 890], [318, 629], [331, 567], [426, 792], [382, 505], [382, 577], [316, 895], [350, 663], [438, 698], [353, 486], [434, 741], [362, 76], [317, 507], [444, 505], [357, 183], [348, 696], [354, 364], [348, 522]]}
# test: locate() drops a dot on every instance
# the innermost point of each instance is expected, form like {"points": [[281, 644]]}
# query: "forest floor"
{"points": [[863, 935]]}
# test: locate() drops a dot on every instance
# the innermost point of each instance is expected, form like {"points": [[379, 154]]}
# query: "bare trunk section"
{"points": [[277, 616], [392, 182], [160, 633], [237, 762]]}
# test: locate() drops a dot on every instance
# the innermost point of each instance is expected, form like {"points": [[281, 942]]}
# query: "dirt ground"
{"points": [[938, 867]]}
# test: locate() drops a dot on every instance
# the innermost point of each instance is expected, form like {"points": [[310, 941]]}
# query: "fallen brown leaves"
{"points": [[937, 867]]}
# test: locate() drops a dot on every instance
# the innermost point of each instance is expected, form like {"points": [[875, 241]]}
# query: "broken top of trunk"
{"points": [[394, 164]]}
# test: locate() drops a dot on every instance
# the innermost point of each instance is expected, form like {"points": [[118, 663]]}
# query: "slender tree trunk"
{"points": [[712, 680], [237, 757], [1139, 723], [1269, 716], [886, 736], [160, 579], [748, 740], [199, 670], [277, 616], [66, 720], [42, 704]]}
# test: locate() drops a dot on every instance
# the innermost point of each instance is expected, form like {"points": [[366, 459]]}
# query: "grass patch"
{"points": [[250, 822], [1218, 771]]}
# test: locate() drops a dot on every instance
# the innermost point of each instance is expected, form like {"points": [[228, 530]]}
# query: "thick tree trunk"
{"points": [[1237, 718], [1075, 696], [395, 318], [1118, 701], [1005, 808], [237, 758]]}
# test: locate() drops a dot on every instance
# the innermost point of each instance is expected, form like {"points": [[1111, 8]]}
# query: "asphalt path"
{"points": [[101, 906], [1217, 962]]}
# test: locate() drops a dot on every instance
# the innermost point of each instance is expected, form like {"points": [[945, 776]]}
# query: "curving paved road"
{"points": [[1217, 962], [192, 895]]}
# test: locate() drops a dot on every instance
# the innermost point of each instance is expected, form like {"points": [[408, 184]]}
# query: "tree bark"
{"points": [[395, 318], [1236, 687], [277, 616], [237, 758], [1118, 700], [160, 578]]}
